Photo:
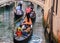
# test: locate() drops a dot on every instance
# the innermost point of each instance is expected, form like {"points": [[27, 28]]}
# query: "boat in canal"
{"points": [[24, 32], [18, 12]]}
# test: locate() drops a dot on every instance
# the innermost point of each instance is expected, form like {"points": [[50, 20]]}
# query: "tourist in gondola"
{"points": [[26, 31], [19, 32], [26, 26], [27, 22]]}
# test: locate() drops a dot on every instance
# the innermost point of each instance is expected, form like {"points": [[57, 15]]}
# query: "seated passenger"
{"points": [[19, 32], [24, 33], [28, 22], [28, 30], [23, 27]]}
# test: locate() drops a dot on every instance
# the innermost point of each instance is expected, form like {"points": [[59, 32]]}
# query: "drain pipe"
{"points": [[51, 23]]}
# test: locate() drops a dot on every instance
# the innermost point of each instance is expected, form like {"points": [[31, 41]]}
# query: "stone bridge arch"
{"points": [[38, 2]]}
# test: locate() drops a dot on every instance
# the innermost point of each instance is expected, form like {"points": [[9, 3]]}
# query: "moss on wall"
{"points": [[55, 39]]}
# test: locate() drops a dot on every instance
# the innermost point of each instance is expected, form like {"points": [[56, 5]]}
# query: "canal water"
{"points": [[6, 30]]}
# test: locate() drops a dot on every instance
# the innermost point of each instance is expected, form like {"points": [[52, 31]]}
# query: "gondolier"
{"points": [[28, 11], [20, 3]]}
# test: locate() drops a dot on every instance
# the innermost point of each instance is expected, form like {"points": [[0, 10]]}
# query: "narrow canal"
{"points": [[6, 30]]}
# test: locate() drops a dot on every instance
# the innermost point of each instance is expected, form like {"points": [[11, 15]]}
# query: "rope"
{"points": [[17, 20], [14, 23]]}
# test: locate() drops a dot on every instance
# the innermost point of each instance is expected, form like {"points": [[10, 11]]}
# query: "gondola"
{"points": [[18, 12], [23, 39]]}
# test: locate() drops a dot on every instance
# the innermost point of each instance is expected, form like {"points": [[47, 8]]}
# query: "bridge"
{"points": [[5, 2], [41, 3], [8, 2]]}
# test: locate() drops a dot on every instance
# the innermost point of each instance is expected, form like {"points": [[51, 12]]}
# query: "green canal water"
{"points": [[5, 28]]}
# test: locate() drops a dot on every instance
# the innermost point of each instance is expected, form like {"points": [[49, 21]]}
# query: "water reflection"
{"points": [[5, 33], [35, 39]]}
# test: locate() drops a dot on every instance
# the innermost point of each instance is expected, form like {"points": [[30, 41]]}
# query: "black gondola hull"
{"points": [[17, 16], [23, 41]]}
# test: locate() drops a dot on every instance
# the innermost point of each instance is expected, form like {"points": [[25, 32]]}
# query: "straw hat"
{"points": [[19, 28]]}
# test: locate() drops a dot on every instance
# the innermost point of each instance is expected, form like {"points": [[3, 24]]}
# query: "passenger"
{"points": [[28, 30], [24, 33], [23, 27], [27, 22], [27, 26], [19, 32]]}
